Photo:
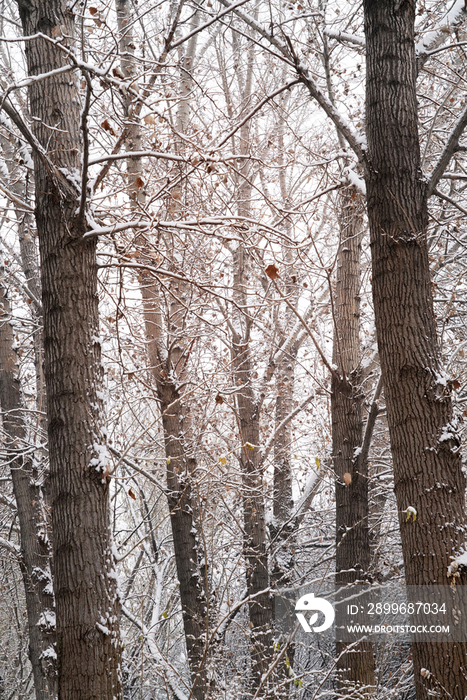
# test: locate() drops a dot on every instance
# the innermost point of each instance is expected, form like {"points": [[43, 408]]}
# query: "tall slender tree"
{"points": [[35, 554], [87, 605], [352, 532], [168, 354], [427, 464]]}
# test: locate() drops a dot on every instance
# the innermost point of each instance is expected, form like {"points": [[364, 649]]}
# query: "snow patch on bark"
{"points": [[47, 619]]}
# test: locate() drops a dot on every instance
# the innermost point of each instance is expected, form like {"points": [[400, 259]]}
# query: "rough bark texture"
{"points": [[352, 538], [256, 559], [181, 499], [35, 552], [87, 604], [427, 464], [248, 406], [166, 367]]}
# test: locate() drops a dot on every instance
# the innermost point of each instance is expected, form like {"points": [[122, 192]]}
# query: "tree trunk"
{"points": [[427, 464], [180, 469], [256, 558], [35, 554], [352, 538], [87, 604], [248, 407], [165, 368]]}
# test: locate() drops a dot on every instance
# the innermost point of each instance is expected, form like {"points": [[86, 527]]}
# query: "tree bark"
{"points": [[256, 558], [427, 464], [85, 585], [35, 551], [181, 467], [248, 406], [352, 534], [166, 368]]}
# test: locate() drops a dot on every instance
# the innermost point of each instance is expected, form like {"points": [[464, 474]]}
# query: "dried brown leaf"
{"points": [[107, 126], [272, 272]]}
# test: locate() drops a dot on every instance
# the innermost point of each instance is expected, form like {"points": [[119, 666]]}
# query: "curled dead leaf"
{"points": [[347, 478], [272, 272], [131, 494], [107, 126], [219, 399]]}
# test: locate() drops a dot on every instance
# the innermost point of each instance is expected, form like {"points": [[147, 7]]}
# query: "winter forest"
{"points": [[233, 346]]}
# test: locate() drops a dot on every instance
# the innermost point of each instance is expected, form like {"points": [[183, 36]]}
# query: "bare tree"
{"points": [[35, 553], [87, 604], [427, 465]]}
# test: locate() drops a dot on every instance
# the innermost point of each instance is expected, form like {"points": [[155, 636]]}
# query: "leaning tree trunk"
{"points": [[88, 643], [427, 464], [35, 554], [352, 534]]}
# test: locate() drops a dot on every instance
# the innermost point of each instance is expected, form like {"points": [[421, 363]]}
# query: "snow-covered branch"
{"points": [[343, 36], [362, 455], [207, 24], [271, 442], [355, 141], [256, 109], [10, 547], [449, 150], [16, 200], [430, 42], [169, 672]]}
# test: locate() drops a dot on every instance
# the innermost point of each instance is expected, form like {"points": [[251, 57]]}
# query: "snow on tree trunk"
{"points": [[352, 538], [427, 465], [35, 554], [85, 585]]}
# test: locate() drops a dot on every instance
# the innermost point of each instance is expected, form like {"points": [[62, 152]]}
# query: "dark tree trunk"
{"points": [[248, 407], [88, 642], [427, 464], [35, 553], [352, 535], [254, 542], [181, 467]]}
